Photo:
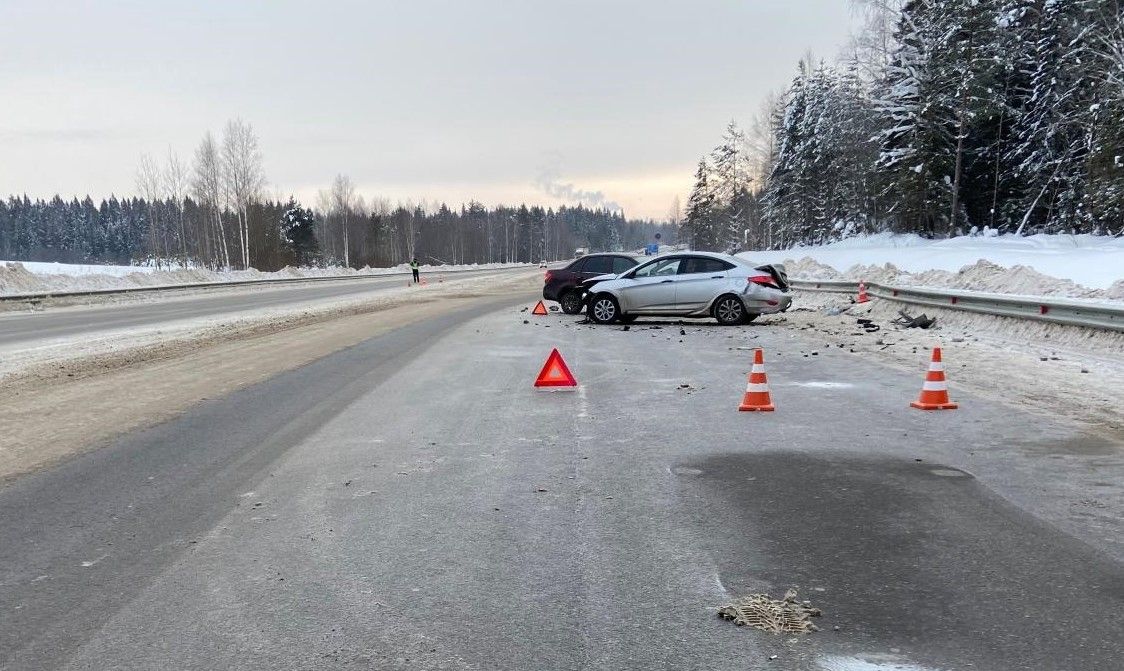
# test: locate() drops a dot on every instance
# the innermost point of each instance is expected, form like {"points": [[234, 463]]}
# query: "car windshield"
{"points": [[659, 268]]}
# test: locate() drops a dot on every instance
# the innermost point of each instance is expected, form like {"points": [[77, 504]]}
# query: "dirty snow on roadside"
{"points": [[1074, 266], [29, 277], [1072, 373], [109, 349]]}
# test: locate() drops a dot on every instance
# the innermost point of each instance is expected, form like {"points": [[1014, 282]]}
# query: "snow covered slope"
{"points": [[1080, 266], [29, 277]]}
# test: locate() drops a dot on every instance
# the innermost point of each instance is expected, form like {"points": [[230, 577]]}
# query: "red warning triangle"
{"points": [[555, 373], [539, 310]]}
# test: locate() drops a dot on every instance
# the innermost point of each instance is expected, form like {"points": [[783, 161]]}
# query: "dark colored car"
{"points": [[564, 285]]}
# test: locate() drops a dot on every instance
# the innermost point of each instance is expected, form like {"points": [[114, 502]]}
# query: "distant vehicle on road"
{"points": [[695, 284], [542, 264], [580, 252], [565, 285]]}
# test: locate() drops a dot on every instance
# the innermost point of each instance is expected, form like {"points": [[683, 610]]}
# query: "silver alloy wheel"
{"points": [[604, 310], [729, 310]]}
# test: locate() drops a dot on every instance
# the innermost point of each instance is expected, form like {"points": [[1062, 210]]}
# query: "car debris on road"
{"points": [[909, 321]]}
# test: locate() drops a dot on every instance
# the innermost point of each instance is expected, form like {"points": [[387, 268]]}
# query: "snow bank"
{"points": [[1076, 266], [31, 277]]}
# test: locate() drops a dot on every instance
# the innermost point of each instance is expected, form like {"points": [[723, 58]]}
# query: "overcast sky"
{"points": [[414, 99]]}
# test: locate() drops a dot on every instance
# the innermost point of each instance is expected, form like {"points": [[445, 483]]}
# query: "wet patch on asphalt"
{"points": [[1086, 445], [913, 558]]}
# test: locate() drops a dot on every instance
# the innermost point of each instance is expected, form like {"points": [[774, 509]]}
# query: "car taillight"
{"points": [[549, 276], [763, 280]]}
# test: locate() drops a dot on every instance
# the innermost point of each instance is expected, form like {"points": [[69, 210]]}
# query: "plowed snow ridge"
{"points": [[1072, 266], [19, 277]]}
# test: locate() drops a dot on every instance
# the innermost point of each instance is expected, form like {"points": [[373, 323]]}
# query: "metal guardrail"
{"points": [[43, 295], [1069, 311]]}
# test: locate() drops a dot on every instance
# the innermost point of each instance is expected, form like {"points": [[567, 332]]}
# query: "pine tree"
{"points": [[298, 233], [1104, 205], [698, 228], [730, 185], [1053, 131], [785, 203]]}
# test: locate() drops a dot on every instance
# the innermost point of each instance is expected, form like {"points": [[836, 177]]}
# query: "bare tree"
{"points": [[242, 175], [324, 207], [343, 203], [207, 185], [870, 49], [175, 184], [150, 187], [675, 213]]}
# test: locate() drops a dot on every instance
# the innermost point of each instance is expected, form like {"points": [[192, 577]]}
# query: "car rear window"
{"points": [[576, 266], [599, 265], [622, 263]]}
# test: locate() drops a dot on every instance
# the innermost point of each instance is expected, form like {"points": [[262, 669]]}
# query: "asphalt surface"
{"points": [[150, 310], [411, 503]]}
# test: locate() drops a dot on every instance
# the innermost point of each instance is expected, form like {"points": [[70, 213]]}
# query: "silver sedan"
{"points": [[694, 284]]}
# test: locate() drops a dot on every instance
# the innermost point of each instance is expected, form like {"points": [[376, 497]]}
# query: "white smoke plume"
{"points": [[548, 181]]}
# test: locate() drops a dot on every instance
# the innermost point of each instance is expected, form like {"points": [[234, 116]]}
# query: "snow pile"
{"points": [[18, 277], [45, 268], [1074, 266]]}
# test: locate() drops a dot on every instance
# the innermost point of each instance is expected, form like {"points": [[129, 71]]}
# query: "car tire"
{"points": [[571, 302], [604, 309], [729, 310]]}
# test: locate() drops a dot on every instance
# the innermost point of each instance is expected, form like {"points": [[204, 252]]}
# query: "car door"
{"points": [[597, 265], [573, 272], [700, 280], [651, 287]]}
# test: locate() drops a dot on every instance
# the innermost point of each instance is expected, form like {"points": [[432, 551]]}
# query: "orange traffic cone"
{"points": [[863, 298], [934, 393], [757, 390]]}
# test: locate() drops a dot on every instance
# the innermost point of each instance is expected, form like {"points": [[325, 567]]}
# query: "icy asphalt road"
{"points": [[149, 310], [411, 503]]}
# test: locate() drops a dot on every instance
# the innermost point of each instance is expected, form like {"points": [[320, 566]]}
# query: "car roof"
{"points": [[713, 255]]}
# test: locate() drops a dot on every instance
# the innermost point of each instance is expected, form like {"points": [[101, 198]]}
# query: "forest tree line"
{"points": [[944, 117], [118, 231], [213, 213]]}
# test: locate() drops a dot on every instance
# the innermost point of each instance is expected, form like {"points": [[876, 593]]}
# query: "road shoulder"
{"points": [[55, 412]]}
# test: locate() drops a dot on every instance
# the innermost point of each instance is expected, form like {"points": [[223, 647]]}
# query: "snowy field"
{"points": [[1078, 266], [29, 277]]}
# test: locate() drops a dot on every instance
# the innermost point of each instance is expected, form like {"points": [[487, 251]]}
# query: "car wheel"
{"points": [[729, 310], [571, 302], [604, 309]]}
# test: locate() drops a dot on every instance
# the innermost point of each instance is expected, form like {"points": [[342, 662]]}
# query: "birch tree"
{"points": [[176, 185], [343, 202], [242, 177], [150, 187], [207, 184]]}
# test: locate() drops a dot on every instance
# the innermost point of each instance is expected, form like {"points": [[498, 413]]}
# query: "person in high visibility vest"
{"points": [[414, 268]]}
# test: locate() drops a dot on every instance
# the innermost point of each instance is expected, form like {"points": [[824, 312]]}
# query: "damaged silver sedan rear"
{"points": [[690, 284]]}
